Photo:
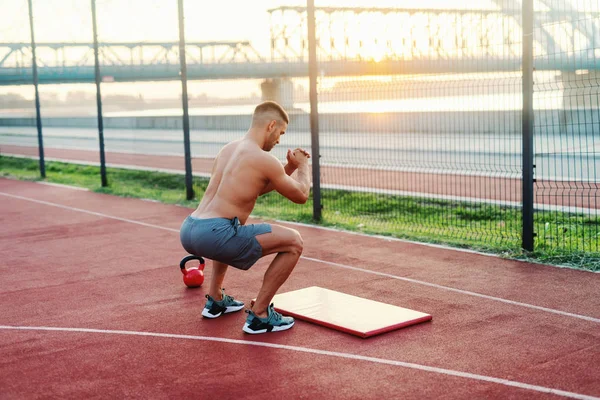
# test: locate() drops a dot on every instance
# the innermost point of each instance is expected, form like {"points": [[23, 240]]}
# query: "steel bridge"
{"points": [[389, 41]]}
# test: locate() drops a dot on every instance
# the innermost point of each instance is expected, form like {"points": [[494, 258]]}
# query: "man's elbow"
{"points": [[299, 198], [302, 200]]}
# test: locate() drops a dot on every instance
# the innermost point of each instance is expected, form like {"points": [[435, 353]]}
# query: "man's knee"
{"points": [[297, 244]]}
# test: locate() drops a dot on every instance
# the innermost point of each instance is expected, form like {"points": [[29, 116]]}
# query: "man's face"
{"points": [[275, 131]]}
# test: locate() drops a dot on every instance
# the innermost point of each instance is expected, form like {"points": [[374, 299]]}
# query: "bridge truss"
{"points": [[351, 41], [348, 33]]}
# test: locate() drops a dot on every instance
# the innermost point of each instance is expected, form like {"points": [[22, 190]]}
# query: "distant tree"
{"points": [[14, 100], [80, 97]]}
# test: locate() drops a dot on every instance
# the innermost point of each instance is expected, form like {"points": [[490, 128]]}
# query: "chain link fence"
{"points": [[420, 111], [567, 129]]}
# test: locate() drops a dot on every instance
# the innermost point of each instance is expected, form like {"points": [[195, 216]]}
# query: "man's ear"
{"points": [[272, 125]]}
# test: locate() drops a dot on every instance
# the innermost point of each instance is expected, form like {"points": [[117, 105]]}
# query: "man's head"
{"points": [[270, 119]]}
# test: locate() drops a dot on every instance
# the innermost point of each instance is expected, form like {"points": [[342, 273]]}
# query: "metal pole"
{"points": [[37, 96], [184, 97], [314, 112], [527, 118], [99, 99]]}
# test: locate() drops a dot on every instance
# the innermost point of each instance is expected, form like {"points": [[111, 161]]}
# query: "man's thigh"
{"points": [[281, 239]]}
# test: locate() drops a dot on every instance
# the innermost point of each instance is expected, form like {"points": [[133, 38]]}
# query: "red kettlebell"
{"points": [[192, 277]]}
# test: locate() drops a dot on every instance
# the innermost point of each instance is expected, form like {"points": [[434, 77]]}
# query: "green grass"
{"points": [[563, 239]]}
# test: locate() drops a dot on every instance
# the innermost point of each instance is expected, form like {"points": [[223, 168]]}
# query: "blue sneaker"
{"points": [[214, 308], [273, 323]]}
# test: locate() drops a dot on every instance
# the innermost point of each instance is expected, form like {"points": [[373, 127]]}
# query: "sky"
{"points": [[157, 20]]}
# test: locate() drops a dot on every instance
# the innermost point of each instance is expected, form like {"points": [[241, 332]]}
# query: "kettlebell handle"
{"points": [[189, 258]]}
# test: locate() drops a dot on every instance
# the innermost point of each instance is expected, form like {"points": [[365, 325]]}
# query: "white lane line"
{"points": [[435, 246], [442, 371], [538, 206], [113, 165], [60, 185], [424, 283], [451, 289], [387, 238], [47, 203], [326, 228]]}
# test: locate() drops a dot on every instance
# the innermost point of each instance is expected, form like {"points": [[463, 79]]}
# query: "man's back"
{"points": [[236, 181]]}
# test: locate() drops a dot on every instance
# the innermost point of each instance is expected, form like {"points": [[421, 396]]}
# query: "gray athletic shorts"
{"points": [[223, 239]]}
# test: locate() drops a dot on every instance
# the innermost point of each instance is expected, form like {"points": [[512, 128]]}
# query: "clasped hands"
{"points": [[297, 157]]}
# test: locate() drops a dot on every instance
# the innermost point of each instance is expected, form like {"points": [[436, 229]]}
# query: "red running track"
{"points": [[93, 306], [549, 193]]}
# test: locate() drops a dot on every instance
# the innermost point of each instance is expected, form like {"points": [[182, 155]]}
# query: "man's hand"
{"points": [[297, 157]]}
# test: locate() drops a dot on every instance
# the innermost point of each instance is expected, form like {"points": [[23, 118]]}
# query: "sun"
{"points": [[373, 51], [371, 37]]}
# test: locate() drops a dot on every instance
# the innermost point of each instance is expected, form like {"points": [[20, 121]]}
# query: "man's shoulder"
{"points": [[256, 154], [270, 160], [264, 163], [251, 155], [231, 145]]}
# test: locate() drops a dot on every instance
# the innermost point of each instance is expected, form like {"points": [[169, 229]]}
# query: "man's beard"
{"points": [[268, 147]]}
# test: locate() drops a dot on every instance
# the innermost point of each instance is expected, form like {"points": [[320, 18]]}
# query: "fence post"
{"points": [[189, 189], [527, 119], [99, 99], [314, 112], [37, 96]]}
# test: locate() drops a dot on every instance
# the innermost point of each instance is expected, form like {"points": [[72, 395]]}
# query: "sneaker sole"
{"points": [[278, 328], [229, 309]]}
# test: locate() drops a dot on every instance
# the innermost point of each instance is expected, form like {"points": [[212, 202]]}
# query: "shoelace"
{"points": [[274, 315], [226, 297]]}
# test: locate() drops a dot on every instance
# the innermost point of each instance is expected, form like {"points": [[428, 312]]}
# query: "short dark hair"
{"points": [[267, 106]]}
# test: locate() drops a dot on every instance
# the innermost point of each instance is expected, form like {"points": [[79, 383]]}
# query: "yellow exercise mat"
{"points": [[346, 313]]}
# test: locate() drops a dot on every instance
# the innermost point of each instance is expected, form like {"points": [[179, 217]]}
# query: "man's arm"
{"points": [[296, 189], [289, 170], [303, 178]]}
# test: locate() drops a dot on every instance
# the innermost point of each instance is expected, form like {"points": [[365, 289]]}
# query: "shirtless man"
{"points": [[242, 171]]}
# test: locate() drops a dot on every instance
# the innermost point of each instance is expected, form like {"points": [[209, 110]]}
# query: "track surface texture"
{"points": [[93, 306]]}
